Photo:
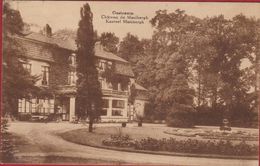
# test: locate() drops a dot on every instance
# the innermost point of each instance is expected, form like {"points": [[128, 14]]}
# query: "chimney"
{"points": [[47, 30]]}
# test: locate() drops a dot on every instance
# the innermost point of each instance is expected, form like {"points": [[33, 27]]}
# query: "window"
{"points": [[118, 107], [118, 104], [117, 112], [27, 67], [102, 83], [33, 105], [24, 106], [72, 59], [105, 106], [109, 65], [102, 65], [124, 86], [72, 78], [20, 105], [43, 106], [114, 85], [45, 75]]}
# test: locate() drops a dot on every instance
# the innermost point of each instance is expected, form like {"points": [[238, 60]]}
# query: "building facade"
{"points": [[53, 60]]}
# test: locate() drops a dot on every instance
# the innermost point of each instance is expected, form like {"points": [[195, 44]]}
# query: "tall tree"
{"points": [[234, 41], [17, 81], [109, 41], [169, 66], [88, 99]]}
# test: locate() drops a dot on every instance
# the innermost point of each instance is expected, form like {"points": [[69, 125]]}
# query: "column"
{"points": [[109, 110], [126, 108], [72, 109]]}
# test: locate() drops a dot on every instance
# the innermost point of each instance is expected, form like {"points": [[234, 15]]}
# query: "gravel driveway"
{"points": [[44, 142]]}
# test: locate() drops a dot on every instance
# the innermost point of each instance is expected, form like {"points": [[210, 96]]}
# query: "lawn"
{"points": [[82, 136]]}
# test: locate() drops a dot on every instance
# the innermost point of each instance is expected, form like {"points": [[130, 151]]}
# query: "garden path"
{"points": [[44, 142]]}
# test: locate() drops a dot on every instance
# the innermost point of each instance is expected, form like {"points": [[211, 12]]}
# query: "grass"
{"points": [[83, 137]]}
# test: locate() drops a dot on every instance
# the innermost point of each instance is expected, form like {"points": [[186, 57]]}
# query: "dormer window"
{"points": [[72, 59], [109, 65], [103, 64], [72, 78], [27, 67], [45, 75]]}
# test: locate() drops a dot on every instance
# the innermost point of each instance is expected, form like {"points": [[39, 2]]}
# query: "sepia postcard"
{"points": [[140, 83]]}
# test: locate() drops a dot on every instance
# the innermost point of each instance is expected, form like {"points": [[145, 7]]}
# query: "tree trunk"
{"points": [[257, 67], [90, 125], [199, 88]]}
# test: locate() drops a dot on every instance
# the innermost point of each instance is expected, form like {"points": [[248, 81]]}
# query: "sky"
{"points": [[65, 14]]}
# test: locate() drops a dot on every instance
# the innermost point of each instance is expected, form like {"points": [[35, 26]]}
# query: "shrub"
{"points": [[195, 146], [239, 116], [184, 146], [206, 115], [119, 141], [124, 124], [6, 144], [24, 117], [153, 113], [180, 119]]}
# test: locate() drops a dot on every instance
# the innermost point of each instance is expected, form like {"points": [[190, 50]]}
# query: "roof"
{"points": [[100, 52], [70, 44], [139, 87], [124, 69], [65, 44], [142, 93], [36, 51]]}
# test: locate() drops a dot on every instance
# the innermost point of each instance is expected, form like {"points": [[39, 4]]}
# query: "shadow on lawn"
{"points": [[63, 160]]}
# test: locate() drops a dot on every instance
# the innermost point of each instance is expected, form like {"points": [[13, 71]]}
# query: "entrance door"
{"points": [[64, 108]]}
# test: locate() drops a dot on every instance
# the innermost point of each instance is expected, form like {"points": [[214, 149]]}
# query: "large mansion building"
{"points": [[54, 61]]}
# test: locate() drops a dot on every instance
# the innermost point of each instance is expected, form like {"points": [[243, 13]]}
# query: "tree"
{"points": [[88, 99], [65, 34], [130, 48], [17, 81], [172, 37], [234, 41], [109, 41]]}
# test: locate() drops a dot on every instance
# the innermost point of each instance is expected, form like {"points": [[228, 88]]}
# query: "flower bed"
{"points": [[184, 146], [214, 134], [119, 141]]}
